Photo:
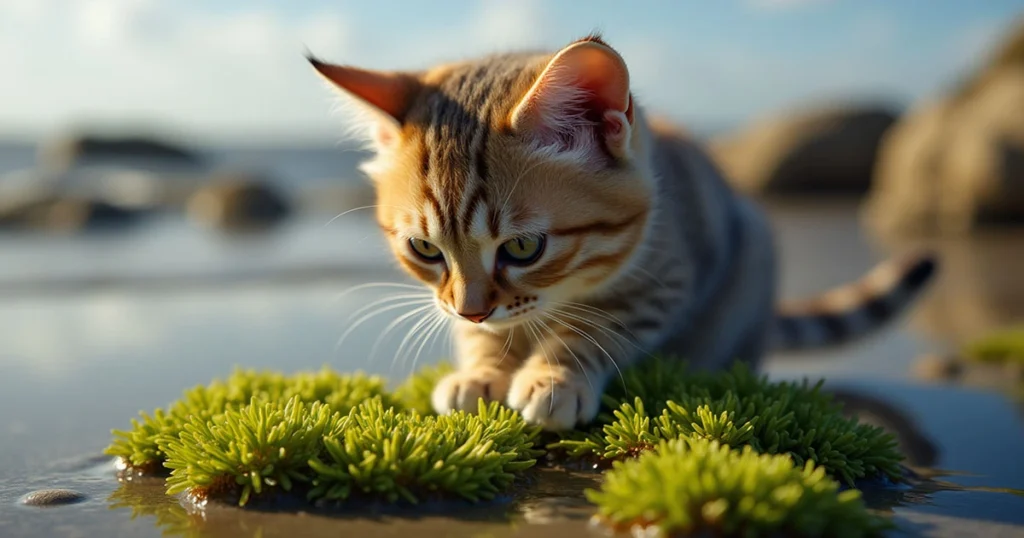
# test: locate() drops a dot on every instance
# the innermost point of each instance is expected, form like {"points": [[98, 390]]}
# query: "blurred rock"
{"points": [[1004, 377], [824, 150], [238, 202], [957, 162], [51, 212], [938, 368], [134, 172], [67, 152]]}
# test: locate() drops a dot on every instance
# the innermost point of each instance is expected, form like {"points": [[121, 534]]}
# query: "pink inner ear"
{"points": [[602, 73], [575, 100]]}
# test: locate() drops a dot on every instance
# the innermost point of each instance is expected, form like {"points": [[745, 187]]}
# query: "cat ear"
{"points": [[387, 96], [579, 101]]}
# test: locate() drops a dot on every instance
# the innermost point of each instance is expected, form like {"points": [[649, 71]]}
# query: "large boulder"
{"points": [[956, 162], [238, 202], [822, 150]]}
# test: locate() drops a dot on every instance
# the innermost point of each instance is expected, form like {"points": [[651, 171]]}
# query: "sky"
{"points": [[233, 70]]}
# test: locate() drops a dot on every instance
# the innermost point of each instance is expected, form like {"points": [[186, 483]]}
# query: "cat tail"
{"points": [[855, 309]]}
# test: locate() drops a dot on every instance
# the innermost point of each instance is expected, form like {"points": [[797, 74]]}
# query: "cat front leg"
{"points": [[560, 384], [485, 361]]}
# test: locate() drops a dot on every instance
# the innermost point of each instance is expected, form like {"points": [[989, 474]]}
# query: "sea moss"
{"points": [[735, 408], [142, 447], [332, 438], [382, 453], [266, 444], [337, 435], [695, 486]]}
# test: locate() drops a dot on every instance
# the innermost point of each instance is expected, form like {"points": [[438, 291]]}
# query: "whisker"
{"points": [[507, 346], [370, 315], [604, 330], [377, 284], [432, 332], [391, 326], [354, 209], [592, 340], [597, 312], [410, 335], [417, 297], [551, 402], [571, 352]]}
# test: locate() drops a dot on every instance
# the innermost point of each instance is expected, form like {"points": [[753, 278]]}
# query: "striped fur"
{"points": [[647, 248]]}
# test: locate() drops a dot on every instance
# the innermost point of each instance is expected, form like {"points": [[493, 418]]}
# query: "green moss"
{"points": [[337, 438], [393, 455], [1003, 346], [266, 444], [694, 486], [141, 447], [735, 408], [337, 435]]}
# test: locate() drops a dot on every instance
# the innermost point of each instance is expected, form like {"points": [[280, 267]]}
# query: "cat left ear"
{"points": [[388, 95], [580, 100]]}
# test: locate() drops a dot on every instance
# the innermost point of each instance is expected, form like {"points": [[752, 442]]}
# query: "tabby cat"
{"points": [[570, 236]]}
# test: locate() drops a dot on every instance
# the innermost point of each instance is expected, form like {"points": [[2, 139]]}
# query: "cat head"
{"points": [[508, 184]]}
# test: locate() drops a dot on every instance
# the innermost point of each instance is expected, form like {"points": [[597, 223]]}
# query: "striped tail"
{"points": [[854, 310]]}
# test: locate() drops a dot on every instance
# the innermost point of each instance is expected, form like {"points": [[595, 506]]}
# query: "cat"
{"points": [[570, 236]]}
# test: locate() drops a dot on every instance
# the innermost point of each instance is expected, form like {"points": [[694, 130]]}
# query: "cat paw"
{"points": [[462, 390], [554, 398]]}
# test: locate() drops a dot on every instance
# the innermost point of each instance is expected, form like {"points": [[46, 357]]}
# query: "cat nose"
{"points": [[477, 317]]}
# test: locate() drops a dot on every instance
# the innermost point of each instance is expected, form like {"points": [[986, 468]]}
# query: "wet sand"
{"points": [[77, 364]]}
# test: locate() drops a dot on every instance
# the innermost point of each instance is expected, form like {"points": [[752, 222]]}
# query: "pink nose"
{"points": [[477, 317]]}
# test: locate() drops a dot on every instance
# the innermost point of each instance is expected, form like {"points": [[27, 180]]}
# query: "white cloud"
{"points": [[200, 70]]}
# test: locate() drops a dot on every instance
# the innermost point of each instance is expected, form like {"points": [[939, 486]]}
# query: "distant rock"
{"points": [[52, 497], [66, 152], [822, 150], [957, 162], [51, 212], [238, 202]]}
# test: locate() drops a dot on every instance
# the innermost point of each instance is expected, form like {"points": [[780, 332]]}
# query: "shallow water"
{"points": [[82, 360]]}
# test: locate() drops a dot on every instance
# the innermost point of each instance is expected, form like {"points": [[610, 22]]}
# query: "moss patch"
{"points": [[735, 408], [336, 435], [1003, 347], [141, 447], [395, 455], [695, 486], [334, 438]]}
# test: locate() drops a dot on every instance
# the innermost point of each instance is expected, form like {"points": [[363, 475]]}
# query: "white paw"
{"points": [[462, 390], [554, 398]]}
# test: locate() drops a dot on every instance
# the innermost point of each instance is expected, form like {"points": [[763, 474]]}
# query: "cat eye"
{"points": [[521, 250], [427, 252]]}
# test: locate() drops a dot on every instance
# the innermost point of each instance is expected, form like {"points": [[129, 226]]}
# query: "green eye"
{"points": [[428, 252], [521, 250]]}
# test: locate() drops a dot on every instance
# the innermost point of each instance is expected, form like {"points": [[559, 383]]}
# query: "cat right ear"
{"points": [[581, 99], [386, 96]]}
